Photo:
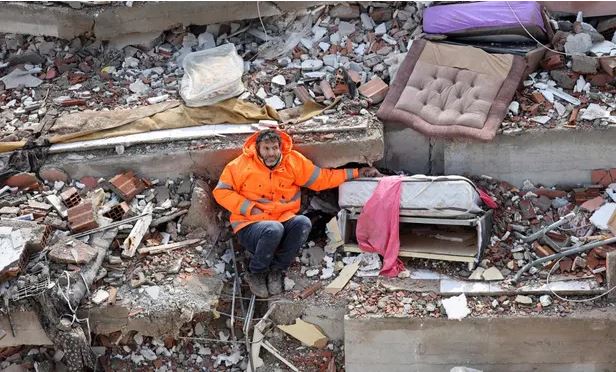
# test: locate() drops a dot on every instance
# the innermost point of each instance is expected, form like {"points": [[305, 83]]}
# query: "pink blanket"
{"points": [[379, 224]]}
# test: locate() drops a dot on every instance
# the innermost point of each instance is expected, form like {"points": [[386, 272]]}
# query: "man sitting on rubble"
{"points": [[261, 189]]}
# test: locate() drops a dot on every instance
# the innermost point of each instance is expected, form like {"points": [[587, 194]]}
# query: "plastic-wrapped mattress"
{"points": [[486, 19], [421, 196]]}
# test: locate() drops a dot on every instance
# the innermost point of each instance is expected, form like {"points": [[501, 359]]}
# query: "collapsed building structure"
{"points": [[116, 119]]}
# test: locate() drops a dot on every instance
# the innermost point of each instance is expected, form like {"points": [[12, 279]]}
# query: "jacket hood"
{"points": [[250, 146]]}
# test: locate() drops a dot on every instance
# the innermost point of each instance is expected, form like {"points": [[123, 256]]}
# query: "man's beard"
{"points": [[274, 164]]}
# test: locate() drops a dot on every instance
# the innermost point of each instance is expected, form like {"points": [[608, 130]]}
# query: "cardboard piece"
{"points": [[307, 333]]}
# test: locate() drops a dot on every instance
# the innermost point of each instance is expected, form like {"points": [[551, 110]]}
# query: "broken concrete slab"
{"points": [[192, 296], [584, 64], [364, 338], [37, 19], [28, 330], [72, 251], [148, 17], [172, 159], [492, 274]]}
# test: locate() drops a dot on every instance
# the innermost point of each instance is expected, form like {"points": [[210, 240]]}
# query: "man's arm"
{"points": [[226, 195], [317, 179]]}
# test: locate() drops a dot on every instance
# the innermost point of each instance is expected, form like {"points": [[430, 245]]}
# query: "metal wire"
{"points": [[547, 283]]}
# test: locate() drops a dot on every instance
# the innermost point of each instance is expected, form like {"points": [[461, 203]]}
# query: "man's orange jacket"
{"points": [[246, 182]]}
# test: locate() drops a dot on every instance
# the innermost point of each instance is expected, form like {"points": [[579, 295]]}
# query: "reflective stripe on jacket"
{"points": [[247, 182]]}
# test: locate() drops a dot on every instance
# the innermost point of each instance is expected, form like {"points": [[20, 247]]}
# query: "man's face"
{"points": [[269, 151]]}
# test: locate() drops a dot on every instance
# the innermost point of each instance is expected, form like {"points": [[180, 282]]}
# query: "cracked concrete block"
{"points": [[159, 16], [203, 212], [34, 19]]}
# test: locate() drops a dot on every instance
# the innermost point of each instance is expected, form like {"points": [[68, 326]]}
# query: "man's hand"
{"points": [[369, 172], [255, 211]]}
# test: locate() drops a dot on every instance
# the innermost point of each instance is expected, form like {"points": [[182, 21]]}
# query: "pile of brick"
{"points": [[525, 211], [576, 84]]}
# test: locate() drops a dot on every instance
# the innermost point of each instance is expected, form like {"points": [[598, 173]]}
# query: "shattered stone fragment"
{"points": [[72, 251]]}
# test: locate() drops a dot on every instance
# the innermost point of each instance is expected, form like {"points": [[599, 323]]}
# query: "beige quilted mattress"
{"points": [[451, 91]]}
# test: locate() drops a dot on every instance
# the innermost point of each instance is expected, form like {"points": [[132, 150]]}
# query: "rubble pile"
{"points": [[528, 210], [318, 55], [379, 301], [99, 243], [575, 86], [336, 50]]}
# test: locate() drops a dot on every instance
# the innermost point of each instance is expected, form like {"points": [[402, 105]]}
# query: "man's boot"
{"points": [[257, 284], [274, 282]]}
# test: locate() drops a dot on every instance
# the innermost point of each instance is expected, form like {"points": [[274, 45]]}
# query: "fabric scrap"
{"points": [[378, 225]]}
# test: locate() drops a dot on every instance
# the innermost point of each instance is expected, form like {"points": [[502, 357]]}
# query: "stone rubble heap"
{"points": [[338, 50]]}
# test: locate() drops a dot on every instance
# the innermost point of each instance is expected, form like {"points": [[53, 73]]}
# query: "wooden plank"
{"points": [[167, 247], [258, 338], [343, 278], [139, 230]]}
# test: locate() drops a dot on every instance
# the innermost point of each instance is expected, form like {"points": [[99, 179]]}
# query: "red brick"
{"points": [[340, 89], [608, 65], [593, 204], [90, 182], [126, 185], [565, 265], [118, 212], [82, 217], [23, 181], [70, 197], [550, 193], [597, 175], [538, 97], [327, 90], [601, 79], [302, 93], [553, 62], [592, 261], [587, 194], [354, 75], [527, 209], [375, 90]]}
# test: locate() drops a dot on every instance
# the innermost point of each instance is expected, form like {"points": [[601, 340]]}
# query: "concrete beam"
{"points": [[35, 19], [580, 342], [112, 22], [208, 157], [564, 157], [405, 149], [412, 152], [159, 16]]}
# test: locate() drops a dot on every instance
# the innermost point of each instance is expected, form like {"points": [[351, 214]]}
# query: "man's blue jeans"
{"points": [[274, 245]]}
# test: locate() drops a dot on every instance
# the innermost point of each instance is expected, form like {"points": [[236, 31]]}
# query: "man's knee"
{"points": [[302, 222], [274, 229]]}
